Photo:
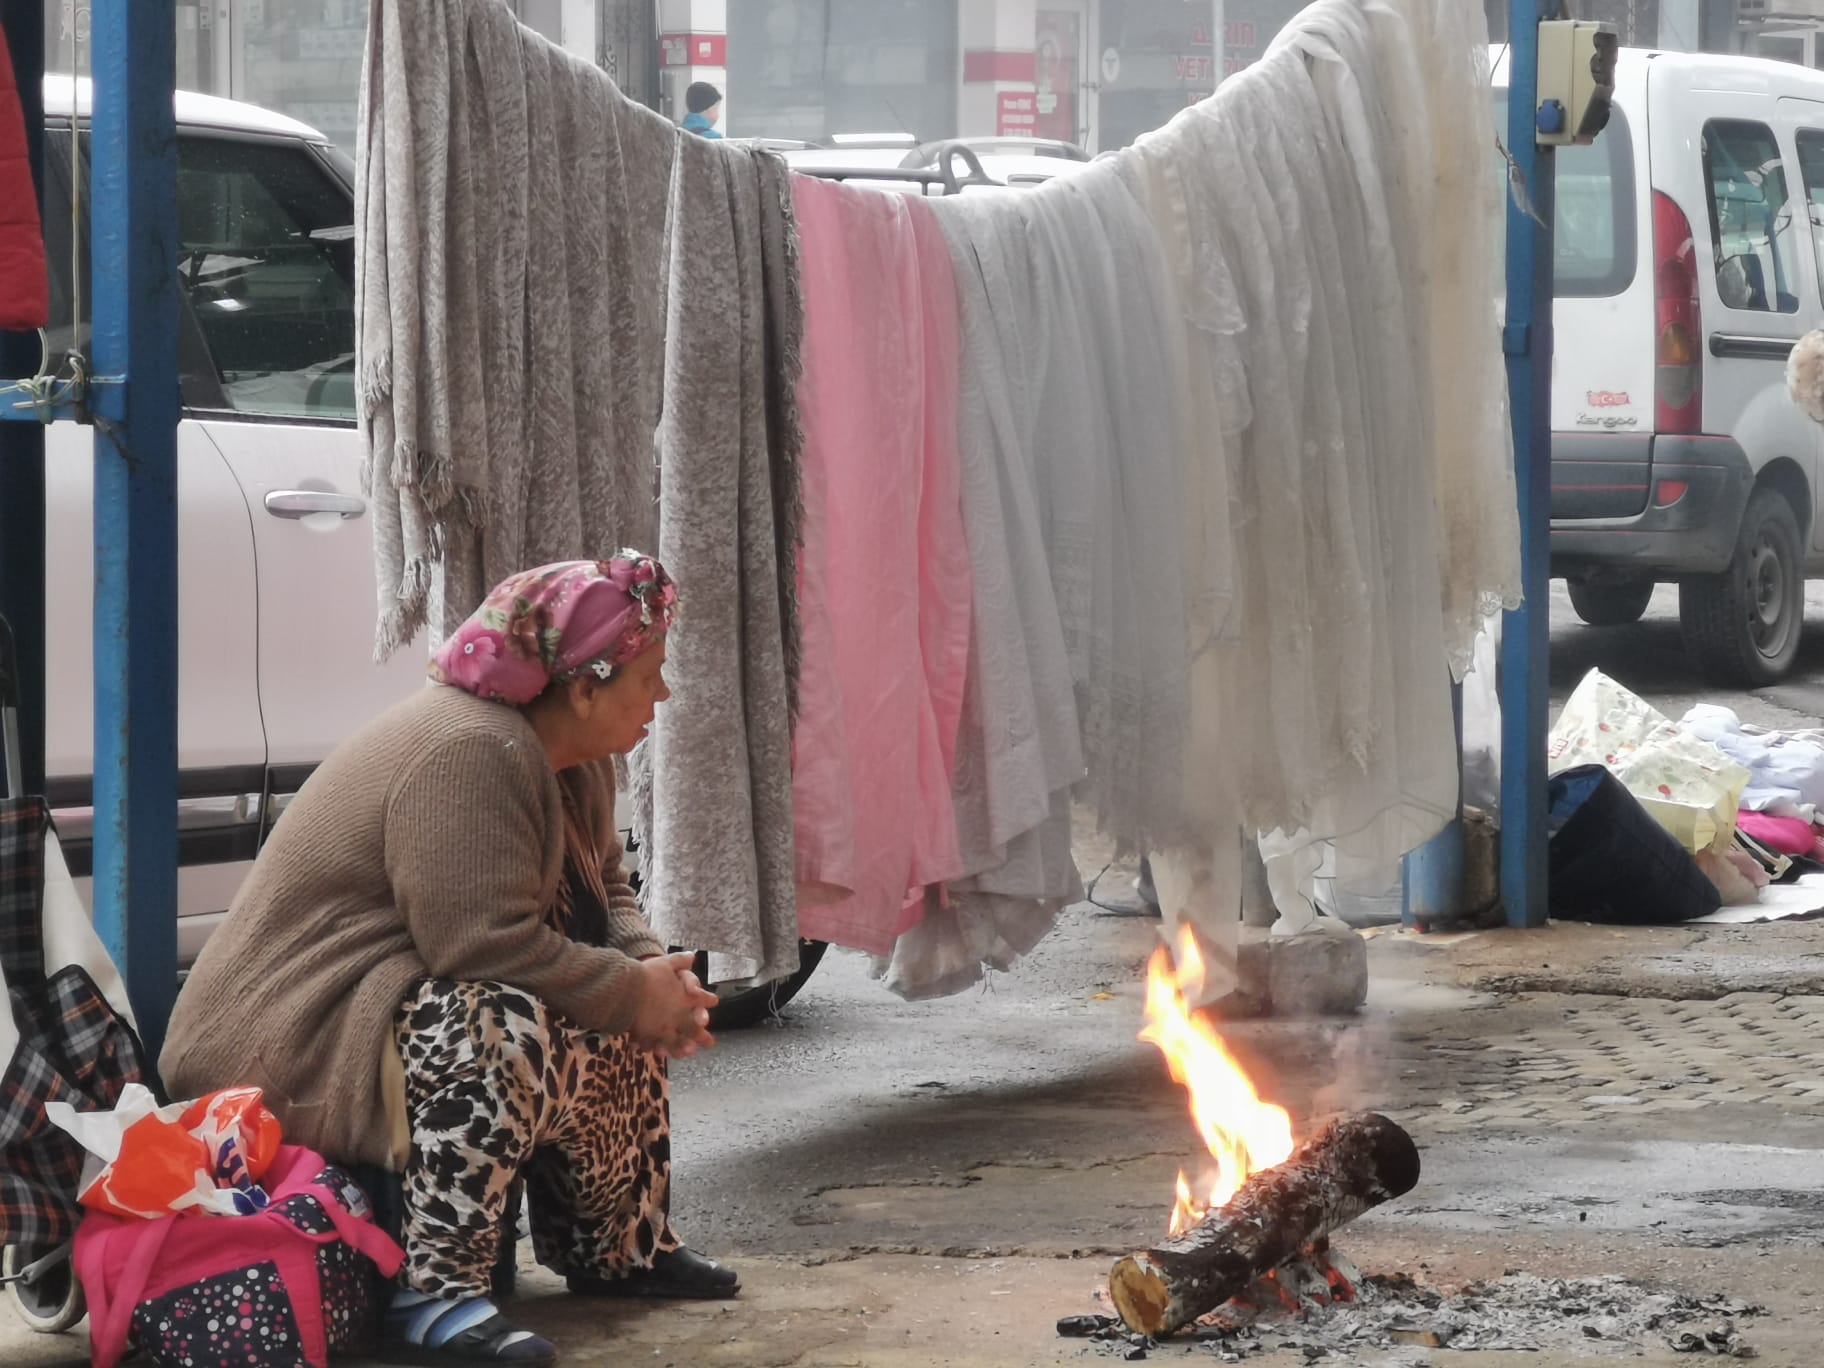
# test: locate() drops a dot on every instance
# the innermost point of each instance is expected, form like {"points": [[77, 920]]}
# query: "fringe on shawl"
{"points": [[785, 347]]}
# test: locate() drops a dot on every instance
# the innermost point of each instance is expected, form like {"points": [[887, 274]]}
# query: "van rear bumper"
{"points": [[1671, 533]]}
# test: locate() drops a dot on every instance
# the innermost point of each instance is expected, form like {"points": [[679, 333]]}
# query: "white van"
{"points": [[1690, 259]]}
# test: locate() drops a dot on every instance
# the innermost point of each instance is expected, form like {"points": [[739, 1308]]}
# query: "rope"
{"points": [[45, 392], [77, 166]]}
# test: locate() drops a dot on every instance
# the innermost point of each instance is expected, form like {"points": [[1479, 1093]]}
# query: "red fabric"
{"points": [[25, 288], [123, 1261], [1782, 835]]}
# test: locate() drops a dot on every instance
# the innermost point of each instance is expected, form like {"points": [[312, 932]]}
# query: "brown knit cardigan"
{"points": [[429, 845]]}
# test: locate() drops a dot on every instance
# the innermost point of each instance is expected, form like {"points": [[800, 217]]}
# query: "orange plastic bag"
{"points": [[206, 1156]]}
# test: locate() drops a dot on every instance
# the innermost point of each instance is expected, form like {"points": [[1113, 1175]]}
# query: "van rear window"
{"points": [[1593, 218]]}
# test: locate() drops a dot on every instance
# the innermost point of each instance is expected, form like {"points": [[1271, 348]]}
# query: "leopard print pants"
{"points": [[500, 1087]]}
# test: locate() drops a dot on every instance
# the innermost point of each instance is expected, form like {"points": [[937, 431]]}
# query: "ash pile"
{"points": [[1310, 1309]]}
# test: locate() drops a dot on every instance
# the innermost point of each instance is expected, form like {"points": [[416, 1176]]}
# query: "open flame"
{"points": [[1244, 1134]]}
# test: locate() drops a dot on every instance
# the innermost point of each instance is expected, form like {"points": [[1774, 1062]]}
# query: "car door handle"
{"points": [[1750, 347], [301, 503]]}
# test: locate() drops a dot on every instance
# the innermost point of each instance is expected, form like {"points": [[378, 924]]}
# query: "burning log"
{"points": [[1352, 1166]]}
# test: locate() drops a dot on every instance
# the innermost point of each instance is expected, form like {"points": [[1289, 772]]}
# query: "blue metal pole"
{"points": [[1432, 886], [135, 408], [1527, 342], [22, 443]]}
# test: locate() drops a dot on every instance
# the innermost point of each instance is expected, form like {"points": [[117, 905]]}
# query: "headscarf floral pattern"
{"points": [[555, 622]]}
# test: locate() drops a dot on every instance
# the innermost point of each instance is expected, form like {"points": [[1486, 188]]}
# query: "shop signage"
{"points": [[1240, 33], [1016, 114], [693, 49]]}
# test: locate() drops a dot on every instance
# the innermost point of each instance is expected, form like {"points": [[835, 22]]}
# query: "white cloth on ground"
{"points": [[1787, 767]]}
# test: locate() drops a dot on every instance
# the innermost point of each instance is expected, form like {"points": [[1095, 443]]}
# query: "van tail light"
{"points": [[1678, 351], [1668, 492]]}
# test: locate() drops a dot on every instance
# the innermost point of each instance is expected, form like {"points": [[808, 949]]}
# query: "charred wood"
{"points": [[1350, 1167]]}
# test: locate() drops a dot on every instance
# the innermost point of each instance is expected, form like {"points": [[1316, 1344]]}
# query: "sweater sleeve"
{"points": [[592, 789], [465, 844], [628, 930]]}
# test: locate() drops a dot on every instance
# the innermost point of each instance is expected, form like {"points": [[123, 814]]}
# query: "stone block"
{"points": [[1322, 972]]}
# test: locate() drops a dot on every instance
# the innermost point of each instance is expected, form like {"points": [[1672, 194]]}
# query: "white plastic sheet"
{"points": [[69, 939]]}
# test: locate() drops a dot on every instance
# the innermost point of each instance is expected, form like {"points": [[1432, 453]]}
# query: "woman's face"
{"points": [[613, 718]]}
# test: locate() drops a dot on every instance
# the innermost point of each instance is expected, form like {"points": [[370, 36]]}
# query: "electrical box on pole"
{"points": [[1576, 81]]}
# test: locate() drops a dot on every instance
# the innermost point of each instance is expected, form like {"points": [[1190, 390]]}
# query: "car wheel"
{"points": [[1743, 626], [740, 1008], [1611, 604], [53, 1302]]}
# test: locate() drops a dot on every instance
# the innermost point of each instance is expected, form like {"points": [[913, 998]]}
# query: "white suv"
{"points": [[276, 598]]}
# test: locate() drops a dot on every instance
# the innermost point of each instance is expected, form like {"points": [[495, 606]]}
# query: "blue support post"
{"points": [[1432, 885], [22, 543], [1527, 342], [133, 153]]}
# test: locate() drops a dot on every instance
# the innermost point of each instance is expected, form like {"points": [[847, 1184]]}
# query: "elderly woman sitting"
{"points": [[437, 965]]}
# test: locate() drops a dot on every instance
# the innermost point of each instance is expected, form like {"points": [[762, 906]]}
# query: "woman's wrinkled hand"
{"points": [[673, 1019]]}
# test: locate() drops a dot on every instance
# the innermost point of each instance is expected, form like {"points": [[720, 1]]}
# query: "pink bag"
{"points": [[280, 1288]]}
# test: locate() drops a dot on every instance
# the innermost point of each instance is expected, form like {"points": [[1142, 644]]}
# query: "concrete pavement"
{"points": [[938, 1183]]}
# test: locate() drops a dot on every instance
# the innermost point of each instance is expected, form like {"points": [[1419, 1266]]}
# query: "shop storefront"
{"points": [[1157, 56], [811, 68]]}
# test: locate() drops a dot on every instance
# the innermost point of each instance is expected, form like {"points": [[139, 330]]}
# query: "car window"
{"points": [[1754, 225], [1811, 173], [1593, 222], [266, 254], [201, 388]]}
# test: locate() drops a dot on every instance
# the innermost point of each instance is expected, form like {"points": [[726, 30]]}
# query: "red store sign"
{"points": [[693, 49], [1016, 114]]}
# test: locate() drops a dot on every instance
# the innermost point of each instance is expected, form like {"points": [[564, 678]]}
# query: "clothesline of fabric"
{"points": [[1170, 493]]}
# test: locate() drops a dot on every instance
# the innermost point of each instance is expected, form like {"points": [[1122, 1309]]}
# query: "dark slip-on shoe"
{"points": [[676, 1275]]}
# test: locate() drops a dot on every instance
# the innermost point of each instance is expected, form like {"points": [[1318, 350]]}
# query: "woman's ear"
{"points": [[581, 695]]}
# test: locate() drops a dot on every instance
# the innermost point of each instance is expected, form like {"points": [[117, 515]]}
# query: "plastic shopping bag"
{"points": [[145, 1160], [1691, 788]]}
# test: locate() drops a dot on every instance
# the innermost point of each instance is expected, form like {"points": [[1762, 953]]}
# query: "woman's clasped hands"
{"points": [[673, 1016]]}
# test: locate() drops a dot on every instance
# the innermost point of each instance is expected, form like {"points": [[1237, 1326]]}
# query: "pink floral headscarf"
{"points": [[557, 621]]}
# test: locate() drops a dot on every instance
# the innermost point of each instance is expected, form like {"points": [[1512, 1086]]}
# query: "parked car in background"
{"points": [[851, 152], [901, 163], [1008, 145], [1015, 161], [276, 604], [1689, 260]]}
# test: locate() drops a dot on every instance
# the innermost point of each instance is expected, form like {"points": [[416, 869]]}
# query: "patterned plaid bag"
{"points": [[67, 1042], [302, 1280]]}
